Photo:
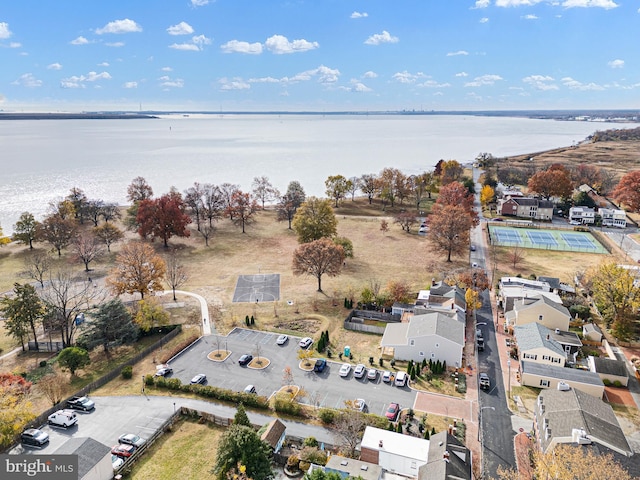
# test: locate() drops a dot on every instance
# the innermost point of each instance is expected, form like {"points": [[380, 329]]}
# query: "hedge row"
{"points": [[209, 391], [180, 347]]}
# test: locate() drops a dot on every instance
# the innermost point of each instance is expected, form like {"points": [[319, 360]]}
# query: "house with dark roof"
{"points": [[433, 336], [533, 374], [541, 310], [609, 370], [442, 295], [94, 458], [352, 468], [557, 286], [526, 207], [274, 435], [572, 416], [448, 459], [536, 345]]}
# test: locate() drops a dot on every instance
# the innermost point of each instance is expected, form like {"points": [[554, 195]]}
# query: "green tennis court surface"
{"points": [[564, 240]]}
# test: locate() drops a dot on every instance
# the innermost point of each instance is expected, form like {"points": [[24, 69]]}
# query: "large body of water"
{"points": [[42, 160]]}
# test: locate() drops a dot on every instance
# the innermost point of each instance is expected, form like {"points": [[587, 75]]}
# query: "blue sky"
{"points": [[319, 54]]}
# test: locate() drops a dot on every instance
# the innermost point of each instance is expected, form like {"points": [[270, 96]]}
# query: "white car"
{"points": [[360, 405], [360, 371], [63, 418], [422, 230], [282, 339], [386, 376], [575, 222], [306, 342], [372, 374], [344, 370]]}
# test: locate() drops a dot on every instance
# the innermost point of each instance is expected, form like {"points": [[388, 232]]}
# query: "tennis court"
{"points": [[563, 240]]}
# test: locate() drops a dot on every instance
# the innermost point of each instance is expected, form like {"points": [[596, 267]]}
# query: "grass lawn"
{"points": [[187, 451]]}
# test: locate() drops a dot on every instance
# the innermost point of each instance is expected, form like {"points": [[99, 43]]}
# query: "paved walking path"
{"points": [[205, 319]]}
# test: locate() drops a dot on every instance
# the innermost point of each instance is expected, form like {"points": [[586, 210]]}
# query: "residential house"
{"points": [[609, 369], [94, 458], [274, 435], [448, 459], [516, 288], [557, 286], [442, 295], [574, 417], [526, 207], [584, 215], [613, 217], [394, 452], [541, 310], [433, 336], [592, 332], [352, 468], [538, 375], [536, 345]]}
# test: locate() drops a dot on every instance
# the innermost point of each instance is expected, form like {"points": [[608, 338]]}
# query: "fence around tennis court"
{"points": [[513, 237]]}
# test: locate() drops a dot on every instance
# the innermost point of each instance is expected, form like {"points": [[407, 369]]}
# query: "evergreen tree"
{"points": [[241, 417], [399, 428], [241, 444], [112, 325]]}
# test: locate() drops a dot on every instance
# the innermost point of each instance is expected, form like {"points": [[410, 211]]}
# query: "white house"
{"points": [[536, 345], [434, 336], [394, 452], [542, 310], [612, 217], [584, 215]]}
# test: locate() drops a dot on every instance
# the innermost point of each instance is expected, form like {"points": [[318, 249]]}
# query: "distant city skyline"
{"points": [[267, 55]]}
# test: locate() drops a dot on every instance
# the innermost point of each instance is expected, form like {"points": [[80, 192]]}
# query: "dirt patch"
{"points": [[619, 396], [306, 325]]}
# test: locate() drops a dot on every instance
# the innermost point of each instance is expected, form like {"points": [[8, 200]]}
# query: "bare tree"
{"points": [[193, 200], [52, 386], [87, 247], [516, 255], [212, 203], [93, 209], [263, 190], [109, 234], [354, 186], [37, 266], [318, 258], [406, 220], [110, 211], [348, 428], [206, 231], [176, 274]]}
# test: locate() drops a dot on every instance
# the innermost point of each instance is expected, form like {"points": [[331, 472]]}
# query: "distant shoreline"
{"points": [[594, 116]]}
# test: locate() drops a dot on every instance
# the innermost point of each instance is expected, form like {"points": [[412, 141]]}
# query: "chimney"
{"points": [[380, 444], [548, 336], [445, 456], [433, 282]]}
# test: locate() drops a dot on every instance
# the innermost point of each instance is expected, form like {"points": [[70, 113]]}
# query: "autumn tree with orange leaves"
{"points": [[553, 182], [138, 270], [627, 192], [318, 258], [163, 217]]}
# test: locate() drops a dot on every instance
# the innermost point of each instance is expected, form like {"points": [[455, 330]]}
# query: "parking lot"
{"points": [[326, 389]]}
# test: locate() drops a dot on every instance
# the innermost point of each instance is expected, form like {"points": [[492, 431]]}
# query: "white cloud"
{"points": [[378, 38], [235, 46], [167, 69], [517, 3], [484, 20], [406, 77], [433, 84], [103, 64], [529, 17], [15, 45], [130, 85], [481, 4], [540, 82], [606, 4], [201, 40], [169, 83], [115, 44], [76, 81], [324, 74], [359, 87], [54, 66], [28, 80], [459, 52], [120, 26], [185, 47], [359, 15], [462, 74], [233, 84], [4, 30], [616, 63], [370, 74], [279, 44], [576, 85], [79, 41], [483, 80], [182, 28], [200, 3], [264, 80]]}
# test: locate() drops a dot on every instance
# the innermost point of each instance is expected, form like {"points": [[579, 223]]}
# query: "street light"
{"points": [[509, 377]]}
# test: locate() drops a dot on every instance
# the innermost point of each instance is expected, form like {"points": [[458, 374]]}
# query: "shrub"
{"points": [[327, 415], [43, 363], [127, 372], [617, 383], [313, 455], [180, 347], [148, 379], [310, 442], [606, 381], [292, 463], [282, 405]]}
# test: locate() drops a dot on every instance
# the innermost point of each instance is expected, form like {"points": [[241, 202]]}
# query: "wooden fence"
{"points": [[357, 321]]}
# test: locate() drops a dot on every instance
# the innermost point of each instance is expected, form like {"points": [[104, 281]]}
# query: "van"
{"points": [[63, 418], [401, 379]]}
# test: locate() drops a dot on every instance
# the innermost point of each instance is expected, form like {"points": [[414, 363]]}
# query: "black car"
{"points": [[34, 437], [245, 359], [320, 365], [81, 403]]}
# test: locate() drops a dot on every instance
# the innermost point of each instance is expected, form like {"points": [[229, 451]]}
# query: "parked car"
{"points": [[306, 342], [81, 403], [320, 365], [401, 379], [250, 389], [34, 437], [344, 370], [575, 222], [474, 265], [131, 439], [485, 382], [123, 450], [163, 370], [386, 376], [422, 229], [282, 339], [372, 374], [360, 371], [359, 404], [63, 418], [393, 411], [473, 248], [116, 461], [245, 359], [199, 379]]}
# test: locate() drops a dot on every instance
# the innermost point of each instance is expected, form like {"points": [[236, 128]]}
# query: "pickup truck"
{"points": [[81, 403]]}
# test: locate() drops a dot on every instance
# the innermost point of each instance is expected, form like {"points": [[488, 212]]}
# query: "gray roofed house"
{"points": [[442, 295], [558, 286], [551, 377], [434, 336], [609, 369], [592, 332], [540, 309], [352, 468], [575, 417], [448, 459], [94, 458], [535, 344]]}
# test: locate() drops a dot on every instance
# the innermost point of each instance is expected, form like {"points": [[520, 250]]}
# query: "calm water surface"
{"points": [[42, 159]]}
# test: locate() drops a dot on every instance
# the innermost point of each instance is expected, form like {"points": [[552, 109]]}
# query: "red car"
{"points": [[393, 411], [123, 450]]}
